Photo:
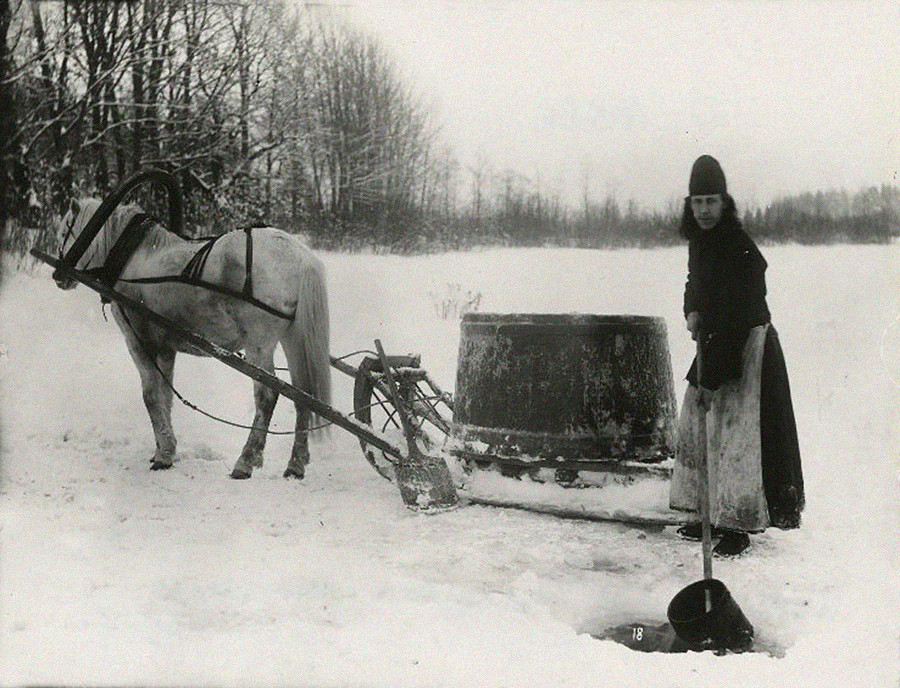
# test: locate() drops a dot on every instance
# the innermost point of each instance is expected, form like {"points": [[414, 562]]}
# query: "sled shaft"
{"points": [[229, 358]]}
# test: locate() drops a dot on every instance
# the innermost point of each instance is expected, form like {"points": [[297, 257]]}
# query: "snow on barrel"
{"points": [[571, 391]]}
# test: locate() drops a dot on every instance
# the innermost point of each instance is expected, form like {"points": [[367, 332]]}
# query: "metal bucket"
{"points": [[591, 390], [723, 627]]}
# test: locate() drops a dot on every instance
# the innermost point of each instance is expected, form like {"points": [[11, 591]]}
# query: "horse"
{"points": [[287, 305]]}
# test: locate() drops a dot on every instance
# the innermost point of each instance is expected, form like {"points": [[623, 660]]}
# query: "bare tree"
{"points": [[7, 118], [259, 110], [361, 141]]}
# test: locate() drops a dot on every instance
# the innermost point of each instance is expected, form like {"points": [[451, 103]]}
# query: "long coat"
{"points": [[726, 285]]}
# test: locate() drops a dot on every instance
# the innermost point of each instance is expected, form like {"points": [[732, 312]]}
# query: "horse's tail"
{"points": [[312, 332]]}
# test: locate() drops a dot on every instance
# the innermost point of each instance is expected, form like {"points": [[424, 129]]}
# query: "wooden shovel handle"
{"points": [[704, 480]]}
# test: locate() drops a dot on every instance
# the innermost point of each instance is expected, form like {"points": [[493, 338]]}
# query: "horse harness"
{"points": [[135, 232], [119, 255]]}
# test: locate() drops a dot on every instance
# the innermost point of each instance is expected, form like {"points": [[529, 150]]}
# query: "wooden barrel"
{"points": [[591, 389]]}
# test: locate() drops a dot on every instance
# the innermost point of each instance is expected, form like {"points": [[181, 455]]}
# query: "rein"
{"points": [[193, 406], [219, 419]]}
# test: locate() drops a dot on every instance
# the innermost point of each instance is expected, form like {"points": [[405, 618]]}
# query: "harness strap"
{"points": [[194, 282], [122, 250], [194, 268], [248, 279], [193, 271]]}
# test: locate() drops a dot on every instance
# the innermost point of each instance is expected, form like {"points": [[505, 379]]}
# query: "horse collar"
{"points": [[124, 247]]}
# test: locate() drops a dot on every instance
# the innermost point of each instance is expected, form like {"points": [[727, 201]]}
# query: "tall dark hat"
{"points": [[707, 177]]}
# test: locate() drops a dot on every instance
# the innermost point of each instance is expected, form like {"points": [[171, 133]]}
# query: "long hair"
{"points": [[689, 227]]}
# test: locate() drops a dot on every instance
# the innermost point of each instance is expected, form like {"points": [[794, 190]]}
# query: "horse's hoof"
{"points": [[239, 474], [296, 473], [159, 466]]}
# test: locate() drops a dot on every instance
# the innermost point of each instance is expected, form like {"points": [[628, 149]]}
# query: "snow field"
{"points": [[111, 574]]}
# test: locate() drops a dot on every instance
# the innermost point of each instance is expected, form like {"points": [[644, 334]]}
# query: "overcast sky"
{"points": [[791, 96]]}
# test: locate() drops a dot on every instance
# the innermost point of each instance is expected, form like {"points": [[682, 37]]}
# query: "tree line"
{"points": [[266, 113], [262, 112], [517, 216]]}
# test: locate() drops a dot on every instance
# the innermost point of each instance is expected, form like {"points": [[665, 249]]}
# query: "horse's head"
{"points": [[68, 229]]}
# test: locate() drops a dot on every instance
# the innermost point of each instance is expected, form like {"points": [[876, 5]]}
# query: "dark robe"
{"points": [[781, 470], [726, 285]]}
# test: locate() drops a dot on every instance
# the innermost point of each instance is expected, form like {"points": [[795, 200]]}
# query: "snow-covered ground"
{"points": [[113, 575]]}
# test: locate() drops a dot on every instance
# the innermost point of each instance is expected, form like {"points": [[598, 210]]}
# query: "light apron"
{"points": [[734, 448]]}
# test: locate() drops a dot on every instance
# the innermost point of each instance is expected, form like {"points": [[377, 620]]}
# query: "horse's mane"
{"points": [[109, 232]]}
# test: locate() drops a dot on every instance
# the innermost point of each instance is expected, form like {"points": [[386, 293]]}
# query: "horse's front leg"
{"points": [[158, 401], [152, 365], [252, 454], [296, 467], [162, 403]]}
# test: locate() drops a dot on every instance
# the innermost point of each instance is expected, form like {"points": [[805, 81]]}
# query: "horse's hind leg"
{"points": [[252, 454], [296, 467], [293, 352]]}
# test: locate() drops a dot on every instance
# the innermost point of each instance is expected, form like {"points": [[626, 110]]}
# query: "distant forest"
{"points": [[265, 114], [516, 218]]}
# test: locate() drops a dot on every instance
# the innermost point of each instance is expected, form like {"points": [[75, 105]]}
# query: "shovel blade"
{"points": [[721, 627], [425, 483]]}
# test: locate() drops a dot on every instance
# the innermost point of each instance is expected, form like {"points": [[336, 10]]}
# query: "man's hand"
{"points": [[693, 324]]}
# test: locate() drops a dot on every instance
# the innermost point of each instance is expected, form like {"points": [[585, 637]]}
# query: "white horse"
{"points": [[288, 305]]}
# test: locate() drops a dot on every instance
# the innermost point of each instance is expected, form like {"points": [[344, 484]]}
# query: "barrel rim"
{"points": [[497, 318]]}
